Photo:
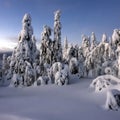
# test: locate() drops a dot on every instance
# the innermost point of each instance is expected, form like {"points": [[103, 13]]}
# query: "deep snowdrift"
{"points": [[111, 86], [73, 102]]}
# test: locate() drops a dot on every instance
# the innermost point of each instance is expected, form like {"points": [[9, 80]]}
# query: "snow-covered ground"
{"points": [[50, 102]]}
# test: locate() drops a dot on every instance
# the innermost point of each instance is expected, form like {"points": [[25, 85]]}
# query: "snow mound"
{"points": [[113, 99], [104, 81]]}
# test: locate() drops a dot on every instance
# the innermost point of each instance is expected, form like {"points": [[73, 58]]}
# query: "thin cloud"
{"points": [[13, 39]]}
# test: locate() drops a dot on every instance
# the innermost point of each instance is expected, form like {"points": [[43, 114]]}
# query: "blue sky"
{"points": [[78, 17]]}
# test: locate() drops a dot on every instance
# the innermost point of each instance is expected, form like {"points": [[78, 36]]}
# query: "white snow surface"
{"points": [[51, 102]]}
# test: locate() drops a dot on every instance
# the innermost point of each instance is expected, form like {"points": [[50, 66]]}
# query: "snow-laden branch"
{"points": [[103, 82]]}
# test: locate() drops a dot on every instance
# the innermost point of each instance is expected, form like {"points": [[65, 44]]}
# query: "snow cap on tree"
{"points": [[66, 43], [27, 18], [104, 38], [57, 14], [93, 38]]}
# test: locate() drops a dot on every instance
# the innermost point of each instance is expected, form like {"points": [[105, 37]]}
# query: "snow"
{"points": [[73, 102], [42, 70], [113, 99], [111, 86]]}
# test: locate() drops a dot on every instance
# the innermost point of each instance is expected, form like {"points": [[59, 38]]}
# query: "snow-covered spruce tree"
{"points": [[112, 55], [0, 75], [46, 46], [24, 55], [93, 41], [66, 43], [60, 73], [69, 51], [81, 60], [117, 63], [74, 65], [85, 45], [5, 64], [65, 48], [72, 51], [115, 38], [105, 52], [6, 74], [57, 37]]}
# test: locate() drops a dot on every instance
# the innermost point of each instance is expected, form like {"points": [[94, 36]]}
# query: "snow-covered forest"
{"points": [[54, 63]]}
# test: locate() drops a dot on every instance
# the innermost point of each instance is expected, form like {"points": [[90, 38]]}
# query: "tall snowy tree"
{"points": [[57, 37], [46, 46], [24, 55], [85, 45]]}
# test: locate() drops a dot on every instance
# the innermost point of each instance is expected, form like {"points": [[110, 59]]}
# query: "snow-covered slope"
{"points": [[50, 102]]}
